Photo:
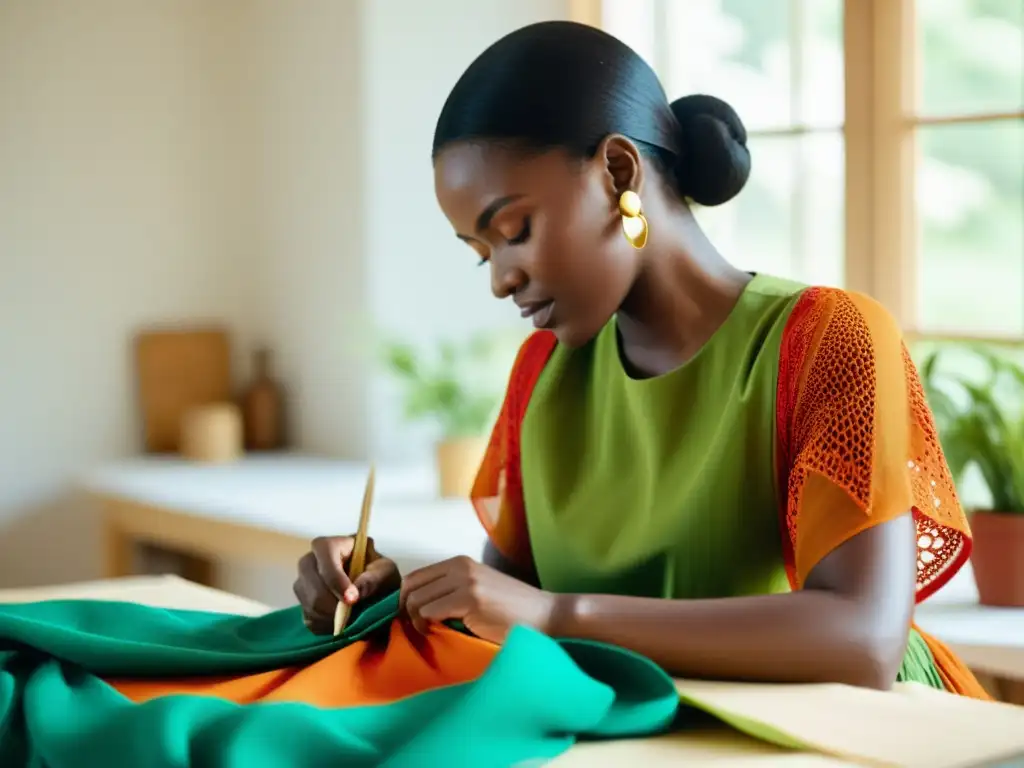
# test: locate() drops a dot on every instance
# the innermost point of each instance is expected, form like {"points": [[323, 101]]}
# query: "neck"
{"points": [[682, 295]]}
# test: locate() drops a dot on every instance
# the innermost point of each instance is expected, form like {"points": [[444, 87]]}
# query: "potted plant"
{"points": [[455, 388], [981, 423]]}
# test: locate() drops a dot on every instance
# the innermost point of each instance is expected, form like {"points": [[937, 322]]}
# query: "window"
{"points": [[969, 196], [887, 139]]}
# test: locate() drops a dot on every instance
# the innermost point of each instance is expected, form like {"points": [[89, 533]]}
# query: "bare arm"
{"points": [[494, 559], [849, 624]]}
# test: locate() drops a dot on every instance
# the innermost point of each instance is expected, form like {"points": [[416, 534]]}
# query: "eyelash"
{"points": [[524, 233], [522, 237]]}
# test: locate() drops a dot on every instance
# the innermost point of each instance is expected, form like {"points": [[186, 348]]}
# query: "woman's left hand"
{"points": [[487, 601]]}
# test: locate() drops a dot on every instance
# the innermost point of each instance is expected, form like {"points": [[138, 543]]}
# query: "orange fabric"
{"points": [[374, 671], [956, 676], [497, 493], [858, 445]]}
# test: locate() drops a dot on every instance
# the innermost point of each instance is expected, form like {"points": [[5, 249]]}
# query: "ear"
{"points": [[620, 163]]}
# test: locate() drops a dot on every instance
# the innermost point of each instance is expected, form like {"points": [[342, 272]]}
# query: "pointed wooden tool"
{"points": [[357, 563]]}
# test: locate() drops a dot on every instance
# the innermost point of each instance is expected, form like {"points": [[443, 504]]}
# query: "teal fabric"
{"points": [[537, 697]]}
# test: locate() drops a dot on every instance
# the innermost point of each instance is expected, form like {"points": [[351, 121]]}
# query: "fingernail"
{"points": [[352, 594]]}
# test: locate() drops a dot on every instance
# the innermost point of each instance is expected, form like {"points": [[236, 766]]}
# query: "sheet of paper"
{"points": [[911, 726]]}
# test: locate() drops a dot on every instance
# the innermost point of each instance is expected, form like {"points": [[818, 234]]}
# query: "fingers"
{"points": [[449, 606], [419, 579], [317, 601], [330, 553], [380, 575], [323, 580], [315, 622], [429, 603]]}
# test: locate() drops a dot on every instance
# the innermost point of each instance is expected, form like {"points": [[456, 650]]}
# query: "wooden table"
{"points": [[910, 726]]}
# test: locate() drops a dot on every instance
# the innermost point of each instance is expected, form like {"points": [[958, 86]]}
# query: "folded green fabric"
{"points": [[537, 697]]}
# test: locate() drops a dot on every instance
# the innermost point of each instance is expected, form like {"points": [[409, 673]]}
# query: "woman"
{"points": [[734, 475]]}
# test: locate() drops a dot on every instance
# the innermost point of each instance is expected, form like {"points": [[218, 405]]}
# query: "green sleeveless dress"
{"points": [[666, 487]]}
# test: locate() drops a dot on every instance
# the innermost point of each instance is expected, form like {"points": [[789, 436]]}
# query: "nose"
{"points": [[506, 280]]}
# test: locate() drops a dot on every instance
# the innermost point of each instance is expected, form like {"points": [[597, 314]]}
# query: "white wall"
{"points": [[423, 283], [115, 211], [256, 162], [302, 66]]}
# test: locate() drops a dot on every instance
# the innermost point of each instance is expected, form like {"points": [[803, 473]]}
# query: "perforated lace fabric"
{"points": [[842, 366]]}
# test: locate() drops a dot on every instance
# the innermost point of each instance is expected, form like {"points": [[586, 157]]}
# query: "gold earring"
{"points": [[634, 223]]}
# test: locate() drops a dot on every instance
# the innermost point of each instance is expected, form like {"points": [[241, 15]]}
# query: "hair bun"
{"points": [[714, 163]]}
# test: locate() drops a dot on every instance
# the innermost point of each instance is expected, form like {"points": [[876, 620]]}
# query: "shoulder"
{"points": [[850, 319], [840, 342]]}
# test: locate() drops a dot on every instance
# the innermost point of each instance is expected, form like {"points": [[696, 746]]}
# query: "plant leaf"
{"points": [[981, 423]]}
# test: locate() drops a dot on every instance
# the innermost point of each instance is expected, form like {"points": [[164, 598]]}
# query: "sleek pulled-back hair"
{"points": [[563, 85]]}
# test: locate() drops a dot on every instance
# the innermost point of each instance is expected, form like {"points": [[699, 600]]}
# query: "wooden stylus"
{"points": [[357, 563]]}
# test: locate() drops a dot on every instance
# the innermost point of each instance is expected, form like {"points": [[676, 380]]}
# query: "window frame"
{"points": [[880, 126]]}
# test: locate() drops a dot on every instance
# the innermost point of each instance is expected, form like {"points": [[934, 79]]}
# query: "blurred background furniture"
{"points": [[267, 508]]}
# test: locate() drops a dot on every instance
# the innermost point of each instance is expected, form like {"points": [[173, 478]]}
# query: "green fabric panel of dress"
{"points": [[918, 664], [55, 711], [661, 487]]}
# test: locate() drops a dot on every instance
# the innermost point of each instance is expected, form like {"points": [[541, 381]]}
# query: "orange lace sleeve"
{"points": [[497, 492], [857, 442]]}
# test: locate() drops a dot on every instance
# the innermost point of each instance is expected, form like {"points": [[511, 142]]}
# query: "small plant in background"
{"points": [[459, 386], [981, 422], [456, 385]]}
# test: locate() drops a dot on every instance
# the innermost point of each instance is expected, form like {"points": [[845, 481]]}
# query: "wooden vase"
{"points": [[998, 558], [263, 407]]}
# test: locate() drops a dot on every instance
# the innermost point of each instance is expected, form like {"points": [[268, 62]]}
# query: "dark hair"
{"points": [[563, 84]]}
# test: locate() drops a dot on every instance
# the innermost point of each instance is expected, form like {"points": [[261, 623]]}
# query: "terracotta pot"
{"points": [[998, 558], [458, 461]]}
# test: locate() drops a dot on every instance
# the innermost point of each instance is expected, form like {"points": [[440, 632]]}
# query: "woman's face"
{"points": [[548, 227]]}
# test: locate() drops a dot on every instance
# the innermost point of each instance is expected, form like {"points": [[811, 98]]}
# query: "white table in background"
{"points": [[267, 508], [989, 640]]}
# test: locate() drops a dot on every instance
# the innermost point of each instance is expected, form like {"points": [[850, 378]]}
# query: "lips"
{"points": [[542, 313]]}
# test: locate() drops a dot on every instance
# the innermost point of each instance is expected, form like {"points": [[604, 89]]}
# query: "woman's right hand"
{"points": [[323, 580]]}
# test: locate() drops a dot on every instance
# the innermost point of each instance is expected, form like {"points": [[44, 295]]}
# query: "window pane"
{"points": [[819, 74], [970, 201], [972, 55], [788, 221], [633, 22], [778, 62]]}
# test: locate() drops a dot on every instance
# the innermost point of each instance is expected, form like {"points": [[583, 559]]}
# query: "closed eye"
{"points": [[524, 234]]}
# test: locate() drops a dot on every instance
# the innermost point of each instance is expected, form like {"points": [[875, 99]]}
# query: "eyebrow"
{"points": [[483, 221]]}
